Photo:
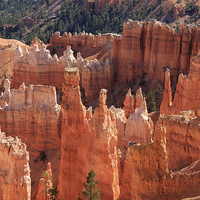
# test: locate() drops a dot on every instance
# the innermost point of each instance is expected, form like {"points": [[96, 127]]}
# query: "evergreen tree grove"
{"points": [[90, 192]]}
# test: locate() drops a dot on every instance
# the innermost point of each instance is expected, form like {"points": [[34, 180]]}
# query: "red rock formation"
{"points": [[167, 95], [131, 102], [33, 115], [15, 181], [145, 49], [82, 39], [94, 74], [120, 125], [45, 183], [186, 96], [139, 128], [86, 144], [182, 139], [151, 178]]}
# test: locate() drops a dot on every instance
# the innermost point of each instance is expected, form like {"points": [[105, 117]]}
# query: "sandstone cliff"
{"points": [[82, 39], [38, 67], [182, 139], [186, 95], [151, 178], [33, 115], [88, 142], [148, 48], [15, 181]]}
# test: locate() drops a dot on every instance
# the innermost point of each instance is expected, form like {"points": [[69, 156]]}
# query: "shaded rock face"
{"points": [[15, 181], [182, 133], [33, 115], [88, 142], [138, 128], [45, 183], [186, 96], [131, 103], [145, 49], [38, 67], [151, 178]]}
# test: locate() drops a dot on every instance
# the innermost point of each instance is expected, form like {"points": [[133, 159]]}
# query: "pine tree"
{"points": [[89, 192]]}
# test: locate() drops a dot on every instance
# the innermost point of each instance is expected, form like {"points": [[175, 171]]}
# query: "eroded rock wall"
{"points": [[38, 67], [33, 115], [151, 178], [15, 181], [82, 39], [186, 95], [182, 133], [148, 48], [88, 142]]}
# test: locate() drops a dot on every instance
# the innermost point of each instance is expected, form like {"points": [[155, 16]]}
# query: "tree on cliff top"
{"points": [[89, 192]]}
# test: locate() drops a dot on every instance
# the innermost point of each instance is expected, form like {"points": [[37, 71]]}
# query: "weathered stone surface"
{"points": [[182, 139], [151, 178], [131, 103], [145, 49], [33, 115], [82, 39], [87, 143], [5, 97], [38, 67], [139, 127], [186, 96], [15, 181], [45, 183], [120, 125]]}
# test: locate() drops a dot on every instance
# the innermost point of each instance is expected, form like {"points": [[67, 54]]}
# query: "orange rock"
{"points": [[15, 181], [33, 115], [87, 143], [151, 178], [167, 95], [45, 183], [182, 139], [145, 49], [187, 88], [82, 39], [131, 102], [27, 66]]}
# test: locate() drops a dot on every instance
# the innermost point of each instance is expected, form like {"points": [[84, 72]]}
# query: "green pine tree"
{"points": [[89, 192]]}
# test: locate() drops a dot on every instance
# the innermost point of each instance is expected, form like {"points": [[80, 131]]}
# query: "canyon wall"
{"points": [[38, 67], [15, 181], [183, 141], [138, 128], [151, 178], [148, 48], [186, 95], [33, 114], [82, 39], [88, 142]]}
